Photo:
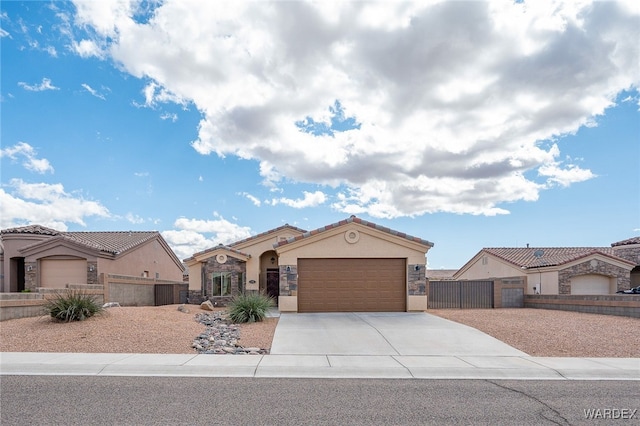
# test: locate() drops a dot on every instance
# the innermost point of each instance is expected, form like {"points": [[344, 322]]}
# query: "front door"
{"points": [[273, 284]]}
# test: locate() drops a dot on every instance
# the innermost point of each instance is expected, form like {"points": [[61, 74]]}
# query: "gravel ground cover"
{"points": [[165, 329], [550, 333], [148, 329]]}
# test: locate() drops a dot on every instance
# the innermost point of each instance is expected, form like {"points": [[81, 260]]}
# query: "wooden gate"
{"points": [[460, 295]]}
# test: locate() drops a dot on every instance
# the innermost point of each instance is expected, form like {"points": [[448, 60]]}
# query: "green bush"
{"points": [[249, 307], [72, 306]]}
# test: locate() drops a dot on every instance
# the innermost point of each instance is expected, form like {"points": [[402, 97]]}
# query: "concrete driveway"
{"points": [[382, 334]]}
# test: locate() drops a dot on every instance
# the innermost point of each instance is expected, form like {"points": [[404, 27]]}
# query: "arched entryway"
{"points": [[270, 275]]}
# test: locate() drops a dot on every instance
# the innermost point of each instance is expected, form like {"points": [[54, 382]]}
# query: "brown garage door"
{"points": [[351, 285]]}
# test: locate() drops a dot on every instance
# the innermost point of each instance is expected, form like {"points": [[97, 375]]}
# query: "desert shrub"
{"points": [[249, 307], [72, 306]]}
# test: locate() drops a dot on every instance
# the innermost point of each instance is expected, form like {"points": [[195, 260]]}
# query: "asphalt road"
{"points": [[91, 400]]}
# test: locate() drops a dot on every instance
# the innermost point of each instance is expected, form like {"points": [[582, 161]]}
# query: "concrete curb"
{"points": [[320, 366]]}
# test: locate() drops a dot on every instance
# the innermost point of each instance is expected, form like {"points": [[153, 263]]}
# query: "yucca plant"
{"points": [[72, 306], [249, 307]]}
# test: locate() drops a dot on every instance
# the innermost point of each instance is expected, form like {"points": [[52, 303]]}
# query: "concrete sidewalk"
{"points": [[321, 366]]}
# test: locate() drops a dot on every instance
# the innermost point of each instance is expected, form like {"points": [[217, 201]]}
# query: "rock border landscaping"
{"points": [[221, 336]]}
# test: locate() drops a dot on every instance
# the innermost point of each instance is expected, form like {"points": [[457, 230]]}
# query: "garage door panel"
{"points": [[58, 273], [351, 285]]}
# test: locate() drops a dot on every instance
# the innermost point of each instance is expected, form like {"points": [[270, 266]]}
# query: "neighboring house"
{"points": [[440, 274], [35, 256], [553, 270], [630, 249], [351, 265]]}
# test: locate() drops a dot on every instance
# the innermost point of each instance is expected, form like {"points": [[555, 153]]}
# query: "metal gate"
{"points": [[163, 294], [460, 294]]}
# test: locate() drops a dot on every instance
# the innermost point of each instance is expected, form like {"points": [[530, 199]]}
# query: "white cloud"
{"points": [[92, 91], [134, 218], [44, 85], [44, 204], [452, 98], [255, 200], [31, 162], [311, 199], [189, 235]]}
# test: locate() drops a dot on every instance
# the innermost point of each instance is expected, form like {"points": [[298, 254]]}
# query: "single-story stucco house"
{"points": [[35, 256], [352, 265], [557, 270]]}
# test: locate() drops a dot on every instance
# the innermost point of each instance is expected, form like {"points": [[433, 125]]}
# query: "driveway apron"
{"points": [[382, 333]]}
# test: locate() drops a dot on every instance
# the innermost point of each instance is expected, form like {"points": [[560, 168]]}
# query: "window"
{"points": [[221, 284]]}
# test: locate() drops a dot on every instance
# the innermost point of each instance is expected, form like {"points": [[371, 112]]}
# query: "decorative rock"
{"points": [[221, 336], [183, 308], [111, 305], [207, 305]]}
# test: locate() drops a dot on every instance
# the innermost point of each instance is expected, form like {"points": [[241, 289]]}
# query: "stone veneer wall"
{"points": [[31, 276], [630, 252], [417, 285], [232, 265], [623, 278], [92, 273], [288, 280]]}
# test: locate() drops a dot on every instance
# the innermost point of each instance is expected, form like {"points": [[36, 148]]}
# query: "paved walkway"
{"points": [[402, 346]]}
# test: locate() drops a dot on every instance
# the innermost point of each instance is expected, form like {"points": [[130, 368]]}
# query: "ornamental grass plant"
{"points": [[250, 307], [72, 306]]}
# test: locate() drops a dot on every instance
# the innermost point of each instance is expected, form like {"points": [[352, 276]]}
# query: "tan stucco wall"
{"points": [[492, 268], [195, 276], [288, 303], [150, 257], [416, 303], [495, 268], [257, 247], [12, 243], [549, 281], [371, 244]]}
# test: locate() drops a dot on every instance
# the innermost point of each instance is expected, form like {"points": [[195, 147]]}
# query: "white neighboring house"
{"points": [[553, 270]]}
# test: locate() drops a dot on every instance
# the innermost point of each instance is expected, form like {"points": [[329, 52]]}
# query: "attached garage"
{"points": [[352, 285], [59, 272], [591, 284]]}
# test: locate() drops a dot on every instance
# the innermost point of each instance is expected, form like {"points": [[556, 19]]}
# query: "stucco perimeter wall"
{"points": [[621, 305], [26, 305], [130, 290]]}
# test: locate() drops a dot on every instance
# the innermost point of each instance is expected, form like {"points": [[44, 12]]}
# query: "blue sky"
{"points": [[468, 124]]}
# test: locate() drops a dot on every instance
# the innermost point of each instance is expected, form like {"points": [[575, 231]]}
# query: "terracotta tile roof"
{"points": [[108, 242], [262, 234], [547, 256], [218, 247], [111, 242], [441, 274], [354, 219], [629, 241], [31, 229]]}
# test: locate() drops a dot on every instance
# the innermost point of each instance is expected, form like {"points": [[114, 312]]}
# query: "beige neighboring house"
{"points": [[554, 270], [350, 266], [35, 256]]}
